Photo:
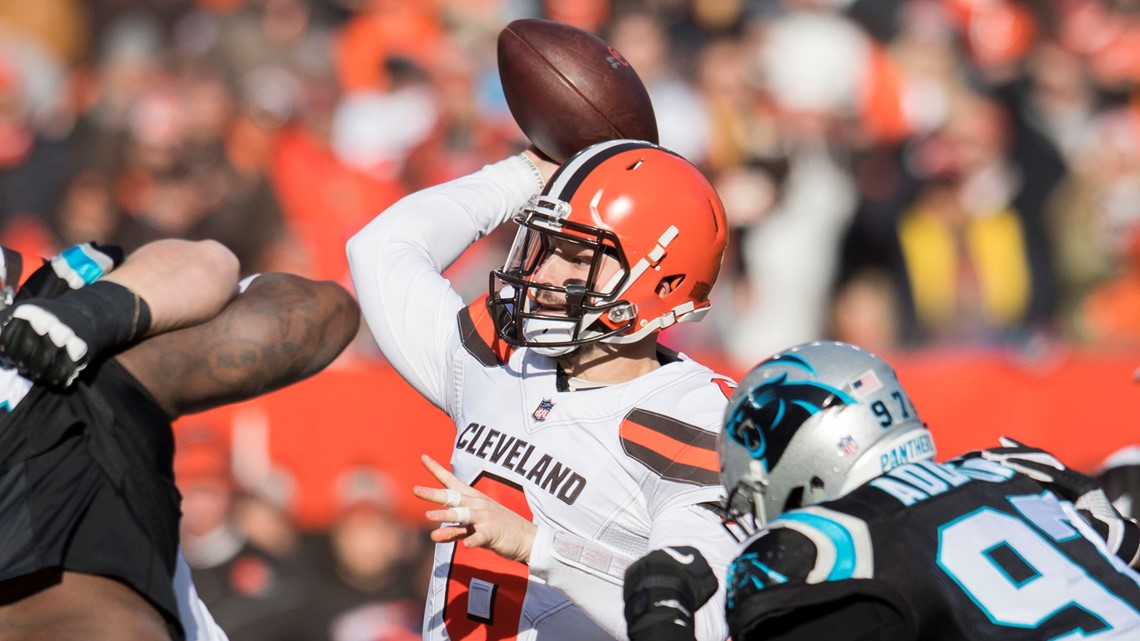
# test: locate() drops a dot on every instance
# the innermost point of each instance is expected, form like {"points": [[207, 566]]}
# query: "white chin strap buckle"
{"points": [[554, 352], [541, 330]]}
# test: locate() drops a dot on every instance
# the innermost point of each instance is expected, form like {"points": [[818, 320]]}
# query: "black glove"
{"points": [[51, 341], [74, 268], [40, 345], [1086, 494], [663, 591]]}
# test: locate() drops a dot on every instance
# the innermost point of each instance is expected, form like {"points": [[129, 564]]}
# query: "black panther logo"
{"points": [[765, 422]]}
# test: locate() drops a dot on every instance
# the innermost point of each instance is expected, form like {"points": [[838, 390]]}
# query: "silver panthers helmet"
{"points": [[811, 424]]}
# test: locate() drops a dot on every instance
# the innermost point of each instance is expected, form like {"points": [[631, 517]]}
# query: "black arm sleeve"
{"points": [[856, 618]]}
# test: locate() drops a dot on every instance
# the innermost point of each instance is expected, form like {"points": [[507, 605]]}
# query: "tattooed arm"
{"points": [[284, 328]]}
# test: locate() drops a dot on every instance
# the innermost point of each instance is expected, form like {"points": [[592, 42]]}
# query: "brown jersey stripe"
{"points": [[670, 448], [674, 449], [477, 331], [668, 469], [678, 430]]}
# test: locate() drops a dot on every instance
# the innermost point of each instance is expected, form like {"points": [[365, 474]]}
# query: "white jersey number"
{"points": [[970, 551]]}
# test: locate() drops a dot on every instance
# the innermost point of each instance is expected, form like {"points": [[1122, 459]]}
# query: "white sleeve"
{"points": [[397, 261], [592, 575], [589, 573], [197, 622], [698, 527]]}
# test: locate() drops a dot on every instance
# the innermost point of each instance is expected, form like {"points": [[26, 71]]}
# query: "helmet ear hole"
{"points": [[795, 499], [669, 284], [818, 489]]}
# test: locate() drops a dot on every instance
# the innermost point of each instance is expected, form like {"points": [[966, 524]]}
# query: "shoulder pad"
{"points": [[777, 556], [842, 543], [477, 331]]}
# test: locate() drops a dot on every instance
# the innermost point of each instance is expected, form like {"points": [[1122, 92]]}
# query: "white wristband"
{"points": [[533, 169]]}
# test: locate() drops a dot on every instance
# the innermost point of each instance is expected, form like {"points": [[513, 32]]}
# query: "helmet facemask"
{"points": [[557, 318], [743, 512]]}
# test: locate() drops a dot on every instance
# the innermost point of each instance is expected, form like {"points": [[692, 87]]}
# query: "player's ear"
{"points": [[669, 283]]}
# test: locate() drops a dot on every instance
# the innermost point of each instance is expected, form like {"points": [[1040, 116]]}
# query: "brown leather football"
{"points": [[568, 89]]}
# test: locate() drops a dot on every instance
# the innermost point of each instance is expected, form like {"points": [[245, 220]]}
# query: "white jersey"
{"points": [[197, 622], [606, 474]]}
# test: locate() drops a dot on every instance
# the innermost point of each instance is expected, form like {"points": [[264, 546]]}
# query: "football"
{"points": [[568, 89]]}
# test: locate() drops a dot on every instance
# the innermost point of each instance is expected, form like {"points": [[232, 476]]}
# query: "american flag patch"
{"points": [[866, 384], [847, 446]]}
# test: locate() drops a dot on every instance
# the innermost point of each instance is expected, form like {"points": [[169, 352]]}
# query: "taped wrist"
{"points": [[104, 314], [534, 170], [51, 341]]}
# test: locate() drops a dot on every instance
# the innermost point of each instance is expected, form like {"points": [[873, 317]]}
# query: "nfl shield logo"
{"points": [[543, 409], [847, 446]]}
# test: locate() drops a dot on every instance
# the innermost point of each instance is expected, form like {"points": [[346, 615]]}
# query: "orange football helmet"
{"points": [[648, 209]]}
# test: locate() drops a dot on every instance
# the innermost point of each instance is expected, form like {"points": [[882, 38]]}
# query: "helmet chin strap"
{"points": [[551, 351]]}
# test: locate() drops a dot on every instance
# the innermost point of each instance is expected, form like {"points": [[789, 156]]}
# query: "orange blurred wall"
{"points": [[1079, 405]]}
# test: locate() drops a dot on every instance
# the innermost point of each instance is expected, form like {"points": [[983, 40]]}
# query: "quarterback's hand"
{"points": [[663, 591], [40, 343], [1121, 534], [474, 518]]}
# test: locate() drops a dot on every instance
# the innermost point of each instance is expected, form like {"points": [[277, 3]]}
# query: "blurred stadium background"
{"points": [[952, 183]]}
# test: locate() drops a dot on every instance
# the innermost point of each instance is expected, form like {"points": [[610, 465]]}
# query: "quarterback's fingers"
{"points": [[459, 514], [442, 475], [444, 496], [451, 533]]}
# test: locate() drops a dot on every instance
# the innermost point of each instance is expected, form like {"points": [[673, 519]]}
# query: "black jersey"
{"points": [[86, 473], [961, 550], [86, 484]]}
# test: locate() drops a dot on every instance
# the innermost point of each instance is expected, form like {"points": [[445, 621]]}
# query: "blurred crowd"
{"points": [[364, 578], [898, 173]]}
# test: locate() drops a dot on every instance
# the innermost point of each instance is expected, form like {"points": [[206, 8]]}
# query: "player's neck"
{"points": [[609, 364]]}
